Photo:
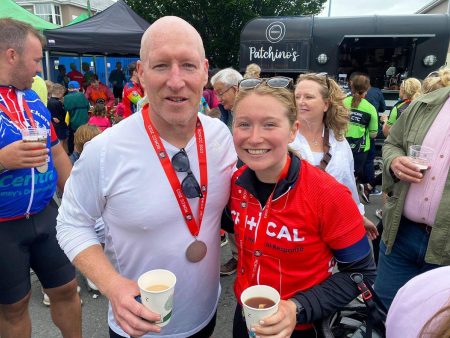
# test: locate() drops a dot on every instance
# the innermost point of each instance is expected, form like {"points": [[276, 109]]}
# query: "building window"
{"points": [[49, 12]]}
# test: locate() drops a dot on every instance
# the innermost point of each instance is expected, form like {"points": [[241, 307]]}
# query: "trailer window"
{"points": [[385, 59]]}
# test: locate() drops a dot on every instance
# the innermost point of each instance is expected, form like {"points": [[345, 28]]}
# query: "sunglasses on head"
{"points": [[433, 74], [325, 75], [272, 82], [189, 185]]}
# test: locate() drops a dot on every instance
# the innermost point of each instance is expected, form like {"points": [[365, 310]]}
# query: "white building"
{"points": [[61, 12]]}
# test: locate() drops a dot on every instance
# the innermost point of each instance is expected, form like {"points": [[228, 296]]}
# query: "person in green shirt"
{"points": [[363, 126], [77, 106], [87, 74]]}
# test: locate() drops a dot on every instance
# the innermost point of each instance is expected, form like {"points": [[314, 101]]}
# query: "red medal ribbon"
{"points": [[185, 208], [261, 229], [15, 117]]}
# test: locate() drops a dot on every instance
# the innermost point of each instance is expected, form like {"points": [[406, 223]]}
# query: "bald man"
{"points": [[160, 180]]}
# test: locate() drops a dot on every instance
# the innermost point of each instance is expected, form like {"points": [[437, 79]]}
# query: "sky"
{"points": [[371, 7]]}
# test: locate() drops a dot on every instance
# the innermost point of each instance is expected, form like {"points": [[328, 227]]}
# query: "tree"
{"points": [[220, 22]]}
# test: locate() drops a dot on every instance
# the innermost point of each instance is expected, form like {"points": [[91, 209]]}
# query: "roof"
{"points": [[9, 9], [96, 5], [428, 7], [116, 30]]}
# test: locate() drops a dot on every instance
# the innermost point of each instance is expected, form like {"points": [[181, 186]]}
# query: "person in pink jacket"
{"points": [[99, 117]]}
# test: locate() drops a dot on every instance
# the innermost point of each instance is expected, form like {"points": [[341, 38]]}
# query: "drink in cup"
{"points": [[421, 156], [259, 302], [36, 135], [157, 288]]}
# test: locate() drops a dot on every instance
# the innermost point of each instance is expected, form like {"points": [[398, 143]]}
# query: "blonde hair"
{"points": [[253, 71], [283, 95], [57, 90], [412, 88], [336, 117], [436, 80], [359, 84], [84, 133], [49, 85]]}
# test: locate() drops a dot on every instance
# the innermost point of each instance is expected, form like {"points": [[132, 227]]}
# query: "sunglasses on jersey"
{"points": [[189, 185], [272, 82]]}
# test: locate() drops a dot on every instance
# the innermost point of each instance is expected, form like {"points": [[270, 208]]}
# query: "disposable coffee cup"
{"points": [[259, 302], [157, 289]]}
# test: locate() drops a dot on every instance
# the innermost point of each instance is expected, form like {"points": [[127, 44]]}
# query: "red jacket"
{"points": [[312, 218], [75, 75]]}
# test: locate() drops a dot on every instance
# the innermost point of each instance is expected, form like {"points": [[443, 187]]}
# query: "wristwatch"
{"points": [[299, 310]]}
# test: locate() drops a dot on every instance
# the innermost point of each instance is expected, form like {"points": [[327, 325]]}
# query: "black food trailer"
{"points": [[413, 44], [387, 48]]}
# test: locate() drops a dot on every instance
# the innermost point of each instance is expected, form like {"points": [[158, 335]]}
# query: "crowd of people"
{"points": [[282, 169]]}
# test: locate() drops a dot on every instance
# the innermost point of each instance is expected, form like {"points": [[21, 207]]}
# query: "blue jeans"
{"points": [[406, 260]]}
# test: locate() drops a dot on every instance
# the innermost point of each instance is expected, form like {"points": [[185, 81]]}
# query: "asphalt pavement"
{"points": [[95, 307]]}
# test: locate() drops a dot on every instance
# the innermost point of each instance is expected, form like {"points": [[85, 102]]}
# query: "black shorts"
{"points": [[31, 243], [206, 332]]}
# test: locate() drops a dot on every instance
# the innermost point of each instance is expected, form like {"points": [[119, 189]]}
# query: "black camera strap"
{"points": [[374, 316]]}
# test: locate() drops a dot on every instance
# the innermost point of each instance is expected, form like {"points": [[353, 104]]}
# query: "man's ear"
{"points": [[206, 67], [11, 55], [139, 70]]}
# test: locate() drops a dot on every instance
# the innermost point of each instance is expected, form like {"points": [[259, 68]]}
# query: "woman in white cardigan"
{"points": [[321, 137]]}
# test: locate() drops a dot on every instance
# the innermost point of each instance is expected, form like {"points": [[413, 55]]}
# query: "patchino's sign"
{"points": [[276, 52], [270, 53]]}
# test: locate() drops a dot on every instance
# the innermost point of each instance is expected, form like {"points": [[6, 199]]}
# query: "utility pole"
{"points": [[329, 8]]}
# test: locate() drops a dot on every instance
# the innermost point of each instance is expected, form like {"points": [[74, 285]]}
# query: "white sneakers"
{"points": [[46, 299], [91, 286]]}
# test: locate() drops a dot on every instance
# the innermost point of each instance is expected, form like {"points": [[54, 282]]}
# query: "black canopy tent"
{"points": [[115, 31]]}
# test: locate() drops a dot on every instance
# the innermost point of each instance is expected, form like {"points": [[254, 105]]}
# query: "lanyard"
{"points": [[15, 117], [185, 209], [261, 229]]}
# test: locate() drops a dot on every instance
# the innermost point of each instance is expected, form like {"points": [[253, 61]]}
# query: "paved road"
{"points": [[95, 309]]}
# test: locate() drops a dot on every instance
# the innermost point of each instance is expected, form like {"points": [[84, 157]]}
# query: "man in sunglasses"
{"points": [[160, 179]]}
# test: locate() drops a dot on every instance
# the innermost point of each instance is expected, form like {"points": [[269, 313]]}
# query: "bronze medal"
{"points": [[196, 251], [43, 168]]}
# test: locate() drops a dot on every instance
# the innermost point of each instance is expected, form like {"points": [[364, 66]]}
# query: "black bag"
{"points": [[357, 320]]}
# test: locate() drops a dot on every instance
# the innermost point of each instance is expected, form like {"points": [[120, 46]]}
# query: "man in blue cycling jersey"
{"points": [[29, 174]]}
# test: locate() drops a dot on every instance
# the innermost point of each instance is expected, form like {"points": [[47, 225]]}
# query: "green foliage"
{"points": [[220, 22]]}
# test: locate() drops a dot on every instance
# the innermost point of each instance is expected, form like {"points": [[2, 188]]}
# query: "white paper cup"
{"points": [[254, 315], [157, 288]]}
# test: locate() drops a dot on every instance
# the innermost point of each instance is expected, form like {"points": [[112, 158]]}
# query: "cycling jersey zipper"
{"points": [[27, 213]]}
